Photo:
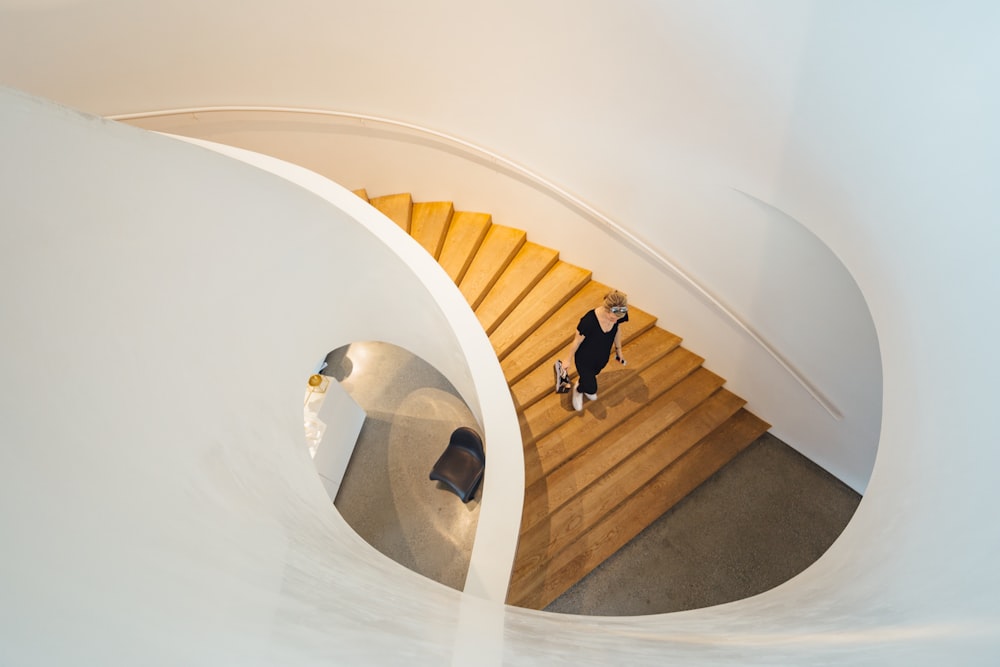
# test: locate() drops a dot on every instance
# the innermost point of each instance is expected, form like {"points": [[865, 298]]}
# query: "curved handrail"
{"points": [[552, 189]]}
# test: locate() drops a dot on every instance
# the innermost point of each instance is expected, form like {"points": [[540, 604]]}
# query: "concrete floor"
{"points": [[756, 523], [386, 494]]}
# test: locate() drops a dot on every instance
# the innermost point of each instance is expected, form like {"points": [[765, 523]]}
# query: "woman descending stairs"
{"points": [[593, 479]]}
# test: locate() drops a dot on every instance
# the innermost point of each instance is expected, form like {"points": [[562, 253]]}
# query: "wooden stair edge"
{"points": [[547, 296], [396, 207], [501, 245], [531, 263], [465, 235], [429, 224]]}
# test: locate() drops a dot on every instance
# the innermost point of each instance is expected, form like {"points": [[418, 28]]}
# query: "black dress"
{"points": [[594, 351]]}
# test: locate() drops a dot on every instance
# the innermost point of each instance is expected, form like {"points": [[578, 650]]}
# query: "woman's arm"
{"points": [[618, 346]]}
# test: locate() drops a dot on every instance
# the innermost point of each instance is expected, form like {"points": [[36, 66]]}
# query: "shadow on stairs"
{"points": [[594, 479]]}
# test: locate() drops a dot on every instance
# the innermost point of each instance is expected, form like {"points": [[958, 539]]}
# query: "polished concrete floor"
{"points": [[756, 523], [386, 494]]}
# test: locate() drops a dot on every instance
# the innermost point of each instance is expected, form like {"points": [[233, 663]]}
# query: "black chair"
{"points": [[462, 464]]}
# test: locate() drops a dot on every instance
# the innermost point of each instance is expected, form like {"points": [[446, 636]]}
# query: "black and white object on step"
{"points": [[562, 378]]}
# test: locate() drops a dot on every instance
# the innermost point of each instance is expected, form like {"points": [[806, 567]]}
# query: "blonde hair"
{"points": [[615, 298]]}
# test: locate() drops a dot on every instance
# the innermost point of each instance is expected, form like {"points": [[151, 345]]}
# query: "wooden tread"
{"points": [[531, 263], [554, 289], [495, 254], [464, 237], [395, 207], [429, 223]]}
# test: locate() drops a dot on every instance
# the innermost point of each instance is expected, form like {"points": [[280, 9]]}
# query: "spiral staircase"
{"points": [[593, 479]]}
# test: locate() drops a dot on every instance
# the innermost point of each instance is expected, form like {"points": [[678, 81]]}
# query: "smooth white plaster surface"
{"points": [[870, 123]]}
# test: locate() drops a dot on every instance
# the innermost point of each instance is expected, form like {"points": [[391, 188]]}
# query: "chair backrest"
{"points": [[468, 440]]}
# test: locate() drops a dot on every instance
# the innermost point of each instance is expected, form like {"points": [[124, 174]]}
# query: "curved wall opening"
{"points": [[386, 495]]}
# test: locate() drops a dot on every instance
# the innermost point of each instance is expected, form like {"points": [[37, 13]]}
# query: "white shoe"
{"points": [[592, 397], [577, 400]]}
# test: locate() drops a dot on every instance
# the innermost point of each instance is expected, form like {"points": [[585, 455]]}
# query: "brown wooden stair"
{"points": [[593, 479]]}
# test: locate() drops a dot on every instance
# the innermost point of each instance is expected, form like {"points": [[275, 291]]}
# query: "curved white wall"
{"points": [[164, 305], [872, 124]]}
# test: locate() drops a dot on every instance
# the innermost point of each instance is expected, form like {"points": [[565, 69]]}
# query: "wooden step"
{"points": [[541, 380], [540, 579], [429, 224], [464, 237], [397, 208], [531, 263], [556, 432], [548, 494], [495, 254], [554, 289], [361, 193]]}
